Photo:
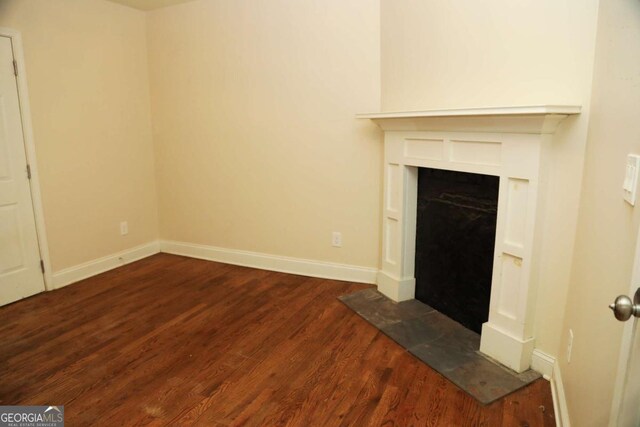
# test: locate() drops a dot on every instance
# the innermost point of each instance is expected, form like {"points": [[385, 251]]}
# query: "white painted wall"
{"points": [[461, 53], [86, 68], [256, 141], [607, 226]]}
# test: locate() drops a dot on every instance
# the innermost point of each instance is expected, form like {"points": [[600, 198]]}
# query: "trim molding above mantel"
{"points": [[538, 119]]}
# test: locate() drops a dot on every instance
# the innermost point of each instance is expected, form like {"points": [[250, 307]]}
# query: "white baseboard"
{"points": [[500, 345], [550, 370], [559, 398], [82, 271], [543, 363], [304, 267], [395, 289]]}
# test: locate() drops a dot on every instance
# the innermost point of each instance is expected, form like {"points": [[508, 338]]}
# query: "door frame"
{"points": [[30, 151], [626, 344]]}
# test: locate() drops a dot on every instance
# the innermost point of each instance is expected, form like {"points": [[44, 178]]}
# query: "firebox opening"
{"points": [[455, 240]]}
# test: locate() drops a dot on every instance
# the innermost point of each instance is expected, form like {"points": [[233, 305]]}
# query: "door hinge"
{"points": [[42, 266], [28, 171], [15, 67]]}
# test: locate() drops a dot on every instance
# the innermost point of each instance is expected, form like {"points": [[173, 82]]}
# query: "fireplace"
{"points": [[509, 144]]}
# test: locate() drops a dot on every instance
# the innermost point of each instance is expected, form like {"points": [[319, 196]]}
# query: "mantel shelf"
{"points": [[522, 119]]}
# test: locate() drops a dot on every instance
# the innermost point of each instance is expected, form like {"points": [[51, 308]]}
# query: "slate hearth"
{"points": [[443, 344]]}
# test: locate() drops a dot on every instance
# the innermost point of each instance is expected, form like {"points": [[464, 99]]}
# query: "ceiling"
{"points": [[149, 4]]}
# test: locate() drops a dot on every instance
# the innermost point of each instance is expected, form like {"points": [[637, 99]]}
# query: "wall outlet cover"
{"points": [[336, 239], [630, 184]]}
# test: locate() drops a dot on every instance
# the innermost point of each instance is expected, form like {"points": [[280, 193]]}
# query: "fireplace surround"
{"points": [[510, 143]]}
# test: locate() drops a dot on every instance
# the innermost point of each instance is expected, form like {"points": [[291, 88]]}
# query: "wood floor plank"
{"points": [[175, 341]]}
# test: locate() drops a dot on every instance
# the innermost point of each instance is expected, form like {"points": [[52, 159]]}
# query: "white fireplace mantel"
{"points": [[511, 143], [532, 119]]}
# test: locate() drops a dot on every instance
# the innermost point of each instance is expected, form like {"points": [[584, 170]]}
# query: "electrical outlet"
{"points": [[569, 345], [124, 228], [336, 239]]}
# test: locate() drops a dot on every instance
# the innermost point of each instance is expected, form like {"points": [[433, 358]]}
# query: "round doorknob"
{"points": [[623, 307]]}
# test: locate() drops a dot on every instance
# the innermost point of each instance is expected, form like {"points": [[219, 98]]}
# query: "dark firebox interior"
{"points": [[455, 240]]}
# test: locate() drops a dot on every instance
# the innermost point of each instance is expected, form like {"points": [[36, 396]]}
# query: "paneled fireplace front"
{"points": [[508, 144]]}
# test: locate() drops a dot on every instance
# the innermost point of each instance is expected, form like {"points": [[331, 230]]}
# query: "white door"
{"points": [[20, 271], [625, 410]]}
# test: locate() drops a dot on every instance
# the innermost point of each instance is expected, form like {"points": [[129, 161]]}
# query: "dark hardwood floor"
{"points": [[177, 341]]}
